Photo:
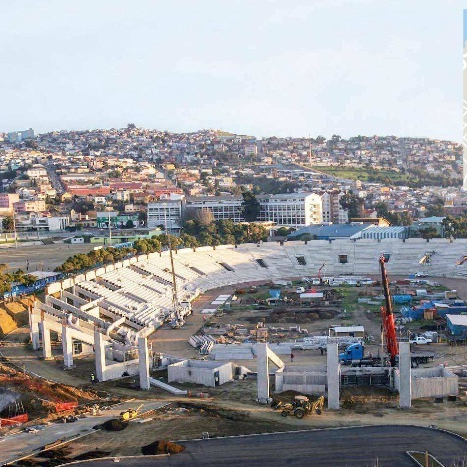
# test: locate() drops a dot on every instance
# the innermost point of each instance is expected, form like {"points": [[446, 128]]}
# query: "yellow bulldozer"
{"points": [[130, 414], [301, 406]]}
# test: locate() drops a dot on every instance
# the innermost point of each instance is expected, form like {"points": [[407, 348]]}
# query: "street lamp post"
{"points": [[110, 228], [14, 229]]}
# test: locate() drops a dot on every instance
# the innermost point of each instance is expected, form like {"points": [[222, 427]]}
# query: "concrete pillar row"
{"points": [[143, 363], [333, 376], [67, 346], [46, 344], [99, 355], [405, 373], [34, 330], [262, 372]]}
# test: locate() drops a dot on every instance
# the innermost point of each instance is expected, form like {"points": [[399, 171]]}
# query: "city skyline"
{"points": [[343, 67]]}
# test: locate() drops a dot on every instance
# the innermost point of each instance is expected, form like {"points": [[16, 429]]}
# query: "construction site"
{"points": [[234, 341]]}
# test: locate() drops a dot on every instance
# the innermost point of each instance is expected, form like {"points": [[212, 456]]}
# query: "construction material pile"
{"points": [[162, 447]]}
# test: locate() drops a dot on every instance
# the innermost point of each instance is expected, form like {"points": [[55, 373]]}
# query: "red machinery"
{"points": [[387, 315], [319, 273]]}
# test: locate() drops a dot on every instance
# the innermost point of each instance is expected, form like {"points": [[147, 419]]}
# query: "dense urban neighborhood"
{"points": [[136, 183]]}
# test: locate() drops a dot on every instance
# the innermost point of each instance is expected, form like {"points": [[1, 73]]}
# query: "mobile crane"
{"points": [[319, 273], [388, 325], [355, 353]]}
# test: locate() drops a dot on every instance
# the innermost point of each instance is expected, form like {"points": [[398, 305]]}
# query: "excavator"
{"points": [[301, 406], [319, 274], [389, 327]]}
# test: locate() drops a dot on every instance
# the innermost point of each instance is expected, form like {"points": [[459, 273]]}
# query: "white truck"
{"points": [[420, 340]]}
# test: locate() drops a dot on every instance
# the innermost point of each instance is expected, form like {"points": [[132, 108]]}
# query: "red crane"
{"points": [[387, 315], [319, 273]]}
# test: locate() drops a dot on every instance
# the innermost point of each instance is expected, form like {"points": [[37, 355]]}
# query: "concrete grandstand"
{"points": [[114, 308]]}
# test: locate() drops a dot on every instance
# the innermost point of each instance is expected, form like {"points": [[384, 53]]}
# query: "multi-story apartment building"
{"points": [[36, 171], [7, 200], [30, 206], [18, 136], [222, 207], [167, 213], [291, 209], [332, 209]]}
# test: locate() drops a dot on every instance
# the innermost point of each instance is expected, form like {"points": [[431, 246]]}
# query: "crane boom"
{"points": [[388, 316], [319, 271]]}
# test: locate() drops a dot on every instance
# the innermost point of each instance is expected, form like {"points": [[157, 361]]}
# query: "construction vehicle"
{"points": [[319, 274], [301, 406], [355, 355], [130, 414]]}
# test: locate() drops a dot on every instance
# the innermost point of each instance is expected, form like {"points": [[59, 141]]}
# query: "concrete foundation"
{"points": [[309, 380], [333, 373], [209, 374], [143, 351]]}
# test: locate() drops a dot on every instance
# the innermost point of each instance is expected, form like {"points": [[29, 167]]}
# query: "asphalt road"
{"points": [[348, 447], [21, 444]]}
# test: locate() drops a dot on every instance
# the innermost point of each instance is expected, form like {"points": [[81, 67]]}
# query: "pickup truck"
{"points": [[420, 340]]}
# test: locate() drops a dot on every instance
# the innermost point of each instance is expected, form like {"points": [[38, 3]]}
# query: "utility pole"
{"points": [[14, 228]]}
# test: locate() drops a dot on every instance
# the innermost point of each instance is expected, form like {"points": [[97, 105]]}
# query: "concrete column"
{"points": [[46, 344], [262, 363], [67, 346], [405, 371], [99, 355], [143, 363], [333, 376], [34, 330]]}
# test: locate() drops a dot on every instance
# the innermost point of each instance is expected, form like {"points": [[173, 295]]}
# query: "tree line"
{"points": [[195, 234], [8, 279]]}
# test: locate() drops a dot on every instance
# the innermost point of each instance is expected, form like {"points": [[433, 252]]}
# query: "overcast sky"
{"points": [[260, 67]]}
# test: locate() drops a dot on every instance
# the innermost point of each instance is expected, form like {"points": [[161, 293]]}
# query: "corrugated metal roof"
{"points": [[457, 320]]}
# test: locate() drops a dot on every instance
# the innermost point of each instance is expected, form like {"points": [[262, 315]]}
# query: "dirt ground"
{"points": [[231, 409]]}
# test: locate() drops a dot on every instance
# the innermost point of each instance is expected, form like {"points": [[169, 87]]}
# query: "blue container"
{"points": [[274, 293], [402, 299]]}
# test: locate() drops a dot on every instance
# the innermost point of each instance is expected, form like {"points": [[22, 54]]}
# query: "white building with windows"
{"points": [[167, 213], [287, 209], [332, 209], [222, 207], [291, 209]]}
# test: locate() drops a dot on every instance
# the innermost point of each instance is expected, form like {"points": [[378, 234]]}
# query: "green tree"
{"points": [[8, 224], [352, 204], [435, 208], [250, 206], [429, 232], [130, 224]]}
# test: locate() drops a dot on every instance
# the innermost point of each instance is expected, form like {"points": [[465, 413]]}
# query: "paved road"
{"points": [[350, 447], [21, 444]]}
